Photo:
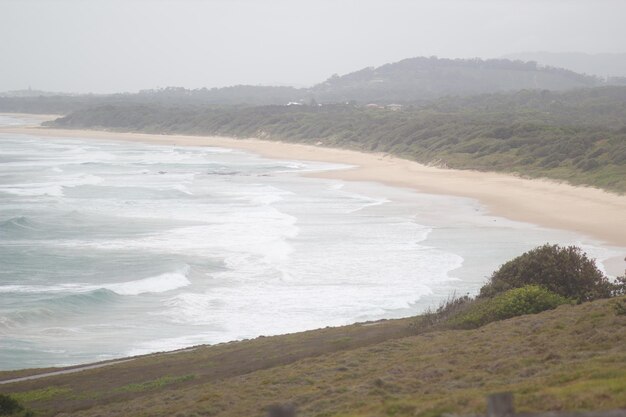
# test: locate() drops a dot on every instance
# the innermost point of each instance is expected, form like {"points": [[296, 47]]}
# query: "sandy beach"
{"points": [[592, 212]]}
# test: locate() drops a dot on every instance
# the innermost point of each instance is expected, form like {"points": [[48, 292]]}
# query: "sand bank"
{"points": [[592, 212]]}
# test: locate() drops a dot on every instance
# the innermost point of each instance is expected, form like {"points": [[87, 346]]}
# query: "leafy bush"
{"points": [[566, 271], [530, 299], [619, 306], [619, 286], [9, 406]]}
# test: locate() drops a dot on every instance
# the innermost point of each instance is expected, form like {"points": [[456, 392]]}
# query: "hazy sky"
{"points": [[127, 45]]}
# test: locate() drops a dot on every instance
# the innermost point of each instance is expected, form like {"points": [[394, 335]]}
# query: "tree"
{"points": [[566, 271]]}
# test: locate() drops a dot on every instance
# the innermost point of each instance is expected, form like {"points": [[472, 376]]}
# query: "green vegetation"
{"points": [[551, 353], [522, 334], [423, 79], [9, 406], [566, 271], [43, 394], [569, 358], [577, 136], [620, 306], [410, 81], [495, 115], [538, 280], [530, 299], [155, 383]]}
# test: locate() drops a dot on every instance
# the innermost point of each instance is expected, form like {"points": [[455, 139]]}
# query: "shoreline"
{"points": [[36, 116], [589, 211]]}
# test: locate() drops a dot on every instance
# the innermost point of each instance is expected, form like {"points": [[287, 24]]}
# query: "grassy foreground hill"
{"points": [[570, 358]]}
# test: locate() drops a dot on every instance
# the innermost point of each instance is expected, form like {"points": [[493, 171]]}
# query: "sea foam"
{"points": [[158, 284], [155, 284], [111, 248]]}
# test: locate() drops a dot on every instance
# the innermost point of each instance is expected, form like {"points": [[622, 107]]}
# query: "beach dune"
{"points": [[590, 211]]}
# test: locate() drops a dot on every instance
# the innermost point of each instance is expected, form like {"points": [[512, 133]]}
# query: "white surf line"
{"points": [[63, 372]]}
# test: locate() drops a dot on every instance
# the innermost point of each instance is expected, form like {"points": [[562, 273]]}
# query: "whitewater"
{"points": [[110, 249]]}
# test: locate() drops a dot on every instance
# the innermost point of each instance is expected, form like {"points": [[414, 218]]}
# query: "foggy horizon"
{"points": [[113, 47]]}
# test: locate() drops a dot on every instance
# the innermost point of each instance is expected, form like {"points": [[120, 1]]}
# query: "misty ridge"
{"points": [[606, 65], [491, 115], [305, 208], [410, 81]]}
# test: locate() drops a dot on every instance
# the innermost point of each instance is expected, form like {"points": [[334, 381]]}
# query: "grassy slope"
{"points": [[571, 358]]}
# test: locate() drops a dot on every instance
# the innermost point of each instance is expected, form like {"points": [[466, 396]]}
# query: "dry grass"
{"points": [[571, 358]]}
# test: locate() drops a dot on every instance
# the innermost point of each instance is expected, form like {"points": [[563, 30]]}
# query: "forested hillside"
{"points": [[602, 64], [577, 136], [170, 96], [411, 81], [423, 79]]}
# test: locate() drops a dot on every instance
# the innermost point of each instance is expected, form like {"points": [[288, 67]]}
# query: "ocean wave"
{"points": [[33, 190], [157, 284], [181, 188], [368, 202], [129, 192], [256, 230], [19, 224], [302, 167], [57, 306], [21, 228], [51, 188], [46, 227], [263, 195], [288, 167]]}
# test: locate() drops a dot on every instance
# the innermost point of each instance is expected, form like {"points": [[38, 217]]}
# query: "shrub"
{"points": [[619, 306], [9, 406], [566, 271], [619, 286], [531, 299]]}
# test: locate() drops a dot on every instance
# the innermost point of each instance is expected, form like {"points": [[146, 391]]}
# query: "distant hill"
{"points": [[410, 81], [602, 65], [238, 94], [414, 80], [32, 93], [424, 79]]}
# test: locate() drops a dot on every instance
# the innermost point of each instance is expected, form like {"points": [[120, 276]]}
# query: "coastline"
{"points": [[34, 116], [592, 212]]}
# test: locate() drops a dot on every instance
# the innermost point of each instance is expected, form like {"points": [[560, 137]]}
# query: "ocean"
{"points": [[110, 249]]}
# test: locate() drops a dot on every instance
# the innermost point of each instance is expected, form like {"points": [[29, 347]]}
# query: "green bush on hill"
{"points": [[530, 299], [566, 271], [538, 280], [9, 406]]}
